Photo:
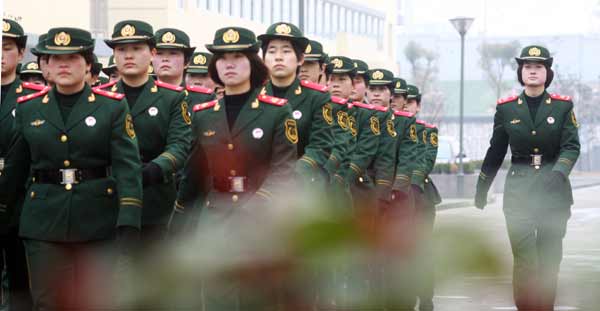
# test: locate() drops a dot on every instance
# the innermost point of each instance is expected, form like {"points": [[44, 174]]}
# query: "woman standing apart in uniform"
{"points": [[80, 150], [541, 130]]}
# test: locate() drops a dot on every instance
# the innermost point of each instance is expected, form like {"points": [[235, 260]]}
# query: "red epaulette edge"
{"points": [[560, 97], [33, 86], [199, 89], [314, 86], [422, 122], [25, 98], [403, 113], [363, 105], [168, 86], [106, 85], [206, 105], [113, 95], [276, 101], [339, 100], [505, 100]]}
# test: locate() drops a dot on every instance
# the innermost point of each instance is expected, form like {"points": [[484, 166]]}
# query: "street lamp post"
{"points": [[462, 25]]}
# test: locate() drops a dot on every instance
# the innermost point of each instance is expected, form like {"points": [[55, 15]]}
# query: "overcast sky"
{"points": [[510, 17]]}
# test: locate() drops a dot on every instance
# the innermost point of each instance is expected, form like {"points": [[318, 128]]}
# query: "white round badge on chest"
{"points": [[14, 112], [153, 111], [90, 121], [297, 114], [257, 133], [550, 120]]}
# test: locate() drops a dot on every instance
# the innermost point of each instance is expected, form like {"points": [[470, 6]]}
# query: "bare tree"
{"points": [[424, 70], [496, 59]]}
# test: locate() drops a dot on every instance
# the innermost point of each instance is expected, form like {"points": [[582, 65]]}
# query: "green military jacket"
{"points": [[408, 143], [313, 111], [430, 190], [382, 168], [553, 135], [248, 165], [98, 133], [9, 217], [342, 139], [162, 122], [419, 171], [363, 154]]}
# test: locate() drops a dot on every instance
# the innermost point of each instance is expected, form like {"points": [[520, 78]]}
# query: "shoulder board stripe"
{"points": [[113, 95], [276, 101], [199, 89], [313, 86], [106, 85], [430, 126], [210, 104], [560, 97], [168, 86], [421, 122], [403, 114], [363, 105], [380, 108], [25, 98], [507, 99], [33, 86], [339, 100]]}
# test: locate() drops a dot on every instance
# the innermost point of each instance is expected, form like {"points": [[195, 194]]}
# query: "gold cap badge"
{"points": [[32, 66], [231, 36], [5, 26], [377, 75], [168, 37], [337, 63], [398, 85], [535, 52], [199, 60], [62, 38], [308, 49], [283, 29], [128, 31]]}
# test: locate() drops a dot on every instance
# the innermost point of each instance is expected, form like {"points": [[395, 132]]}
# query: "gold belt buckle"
{"points": [[536, 160], [1, 164], [68, 176], [237, 184]]}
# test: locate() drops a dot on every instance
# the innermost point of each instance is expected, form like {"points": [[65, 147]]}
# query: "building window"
{"points": [[180, 4]]}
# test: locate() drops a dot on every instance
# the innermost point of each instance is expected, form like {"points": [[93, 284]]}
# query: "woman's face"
{"points": [[133, 59], [11, 55], [168, 63], [68, 70], [379, 95], [534, 74], [233, 68], [281, 59], [340, 85]]}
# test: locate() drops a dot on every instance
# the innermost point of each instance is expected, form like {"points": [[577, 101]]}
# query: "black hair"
{"points": [[549, 74], [259, 73]]}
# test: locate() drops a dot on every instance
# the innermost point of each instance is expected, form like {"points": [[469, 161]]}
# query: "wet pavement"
{"points": [[579, 282]]}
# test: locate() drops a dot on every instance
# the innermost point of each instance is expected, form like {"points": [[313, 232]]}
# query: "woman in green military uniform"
{"points": [[246, 142], [161, 119], [541, 130], [76, 150]]}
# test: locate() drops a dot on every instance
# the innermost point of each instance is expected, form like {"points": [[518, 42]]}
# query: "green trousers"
{"points": [[536, 237], [71, 276]]}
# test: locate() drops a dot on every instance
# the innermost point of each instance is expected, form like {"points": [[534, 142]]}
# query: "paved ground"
{"points": [[579, 285]]}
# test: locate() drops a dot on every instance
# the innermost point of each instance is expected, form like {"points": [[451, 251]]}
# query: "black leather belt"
{"points": [[70, 176], [235, 184], [533, 160]]}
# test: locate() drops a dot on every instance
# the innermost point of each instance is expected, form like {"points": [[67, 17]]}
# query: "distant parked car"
{"points": [[448, 151]]}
